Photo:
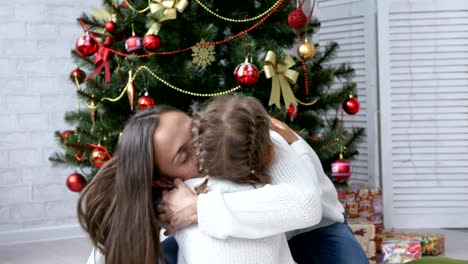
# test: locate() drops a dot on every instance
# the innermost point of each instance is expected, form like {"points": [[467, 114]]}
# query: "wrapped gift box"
{"points": [[363, 202], [400, 250], [364, 231], [431, 244]]}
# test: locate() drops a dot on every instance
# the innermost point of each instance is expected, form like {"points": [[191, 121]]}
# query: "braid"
{"points": [[196, 139], [231, 139], [256, 158], [252, 155], [203, 187]]}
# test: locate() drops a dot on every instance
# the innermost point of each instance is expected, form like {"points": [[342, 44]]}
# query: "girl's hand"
{"points": [[182, 205], [283, 129]]}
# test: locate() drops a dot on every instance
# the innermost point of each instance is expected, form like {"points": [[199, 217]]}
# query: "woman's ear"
{"points": [[270, 154], [164, 183]]}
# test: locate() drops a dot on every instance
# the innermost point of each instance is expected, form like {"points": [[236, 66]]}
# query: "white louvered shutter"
{"points": [[351, 23], [423, 53]]}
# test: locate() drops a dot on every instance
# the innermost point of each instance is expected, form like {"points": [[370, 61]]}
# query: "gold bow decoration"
{"points": [[161, 10], [282, 77]]}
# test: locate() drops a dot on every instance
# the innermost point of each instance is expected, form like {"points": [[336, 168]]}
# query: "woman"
{"points": [[330, 241], [128, 234]]}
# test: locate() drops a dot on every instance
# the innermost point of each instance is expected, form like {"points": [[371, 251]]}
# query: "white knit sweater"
{"points": [[198, 248], [293, 203]]}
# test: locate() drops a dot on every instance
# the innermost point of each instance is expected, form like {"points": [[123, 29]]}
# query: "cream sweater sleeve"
{"points": [[291, 202], [331, 207]]}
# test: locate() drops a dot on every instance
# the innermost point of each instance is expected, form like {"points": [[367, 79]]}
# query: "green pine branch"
{"points": [[327, 55], [83, 62]]}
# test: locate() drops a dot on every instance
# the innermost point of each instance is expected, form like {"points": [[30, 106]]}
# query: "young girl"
{"points": [[231, 137]]}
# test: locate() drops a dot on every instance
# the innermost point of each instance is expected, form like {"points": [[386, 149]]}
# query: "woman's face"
{"points": [[173, 146]]}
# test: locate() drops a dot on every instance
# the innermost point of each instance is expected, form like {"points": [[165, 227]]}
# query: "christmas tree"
{"points": [[138, 53]]}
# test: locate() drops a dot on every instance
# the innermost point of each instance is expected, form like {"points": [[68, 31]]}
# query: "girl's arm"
{"points": [[291, 202]]}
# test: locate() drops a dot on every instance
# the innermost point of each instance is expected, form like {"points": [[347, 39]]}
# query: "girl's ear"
{"points": [[164, 183], [270, 154]]}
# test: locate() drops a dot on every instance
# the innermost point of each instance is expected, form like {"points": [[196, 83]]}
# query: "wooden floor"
{"points": [[76, 251]]}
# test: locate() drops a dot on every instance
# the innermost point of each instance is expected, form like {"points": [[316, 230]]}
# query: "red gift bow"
{"points": [[102, 60]]}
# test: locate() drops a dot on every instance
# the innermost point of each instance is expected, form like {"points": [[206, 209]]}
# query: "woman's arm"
{"points": [[292, 202]]}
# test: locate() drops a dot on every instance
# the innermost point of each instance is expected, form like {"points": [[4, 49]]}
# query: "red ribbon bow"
{"points": [[101, 60]]}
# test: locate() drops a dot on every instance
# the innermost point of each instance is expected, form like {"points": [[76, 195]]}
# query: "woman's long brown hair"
{"points": [[117, 207]]}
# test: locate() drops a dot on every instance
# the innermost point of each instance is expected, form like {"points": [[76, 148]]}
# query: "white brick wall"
{"points": [[35, 63]]}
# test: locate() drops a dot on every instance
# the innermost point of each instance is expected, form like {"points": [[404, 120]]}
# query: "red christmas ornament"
{"points": [[76, 182], [292, 112], [79, 74], [246, 74], [145, 101], [99, 155], [341, 169], [352, 105], [297, 19], [86, 45], [124, 4], [133, 44], [110, 26], [151, 42], [66, 134]]}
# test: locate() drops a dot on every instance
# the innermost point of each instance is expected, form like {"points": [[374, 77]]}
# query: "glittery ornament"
{"points": [[297, 19]]}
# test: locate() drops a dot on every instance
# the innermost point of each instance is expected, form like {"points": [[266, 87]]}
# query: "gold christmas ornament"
{"points": [[306, 50], [203, 55], [92, 110], [169, 9], [130, 89]]}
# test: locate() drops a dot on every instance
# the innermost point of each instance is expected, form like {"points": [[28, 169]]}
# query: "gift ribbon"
{"points": [[170, 8], [282, 77], [101, 60]]}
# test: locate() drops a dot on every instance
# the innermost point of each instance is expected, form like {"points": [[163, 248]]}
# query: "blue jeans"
{"points": [[334, 244], [170, 249]]}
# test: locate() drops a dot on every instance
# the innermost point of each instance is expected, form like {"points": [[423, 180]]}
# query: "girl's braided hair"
{"points": [[231, 139]]}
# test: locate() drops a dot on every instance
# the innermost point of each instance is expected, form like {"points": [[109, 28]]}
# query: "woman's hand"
{"points": [[283, 129], [180, 207]]}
